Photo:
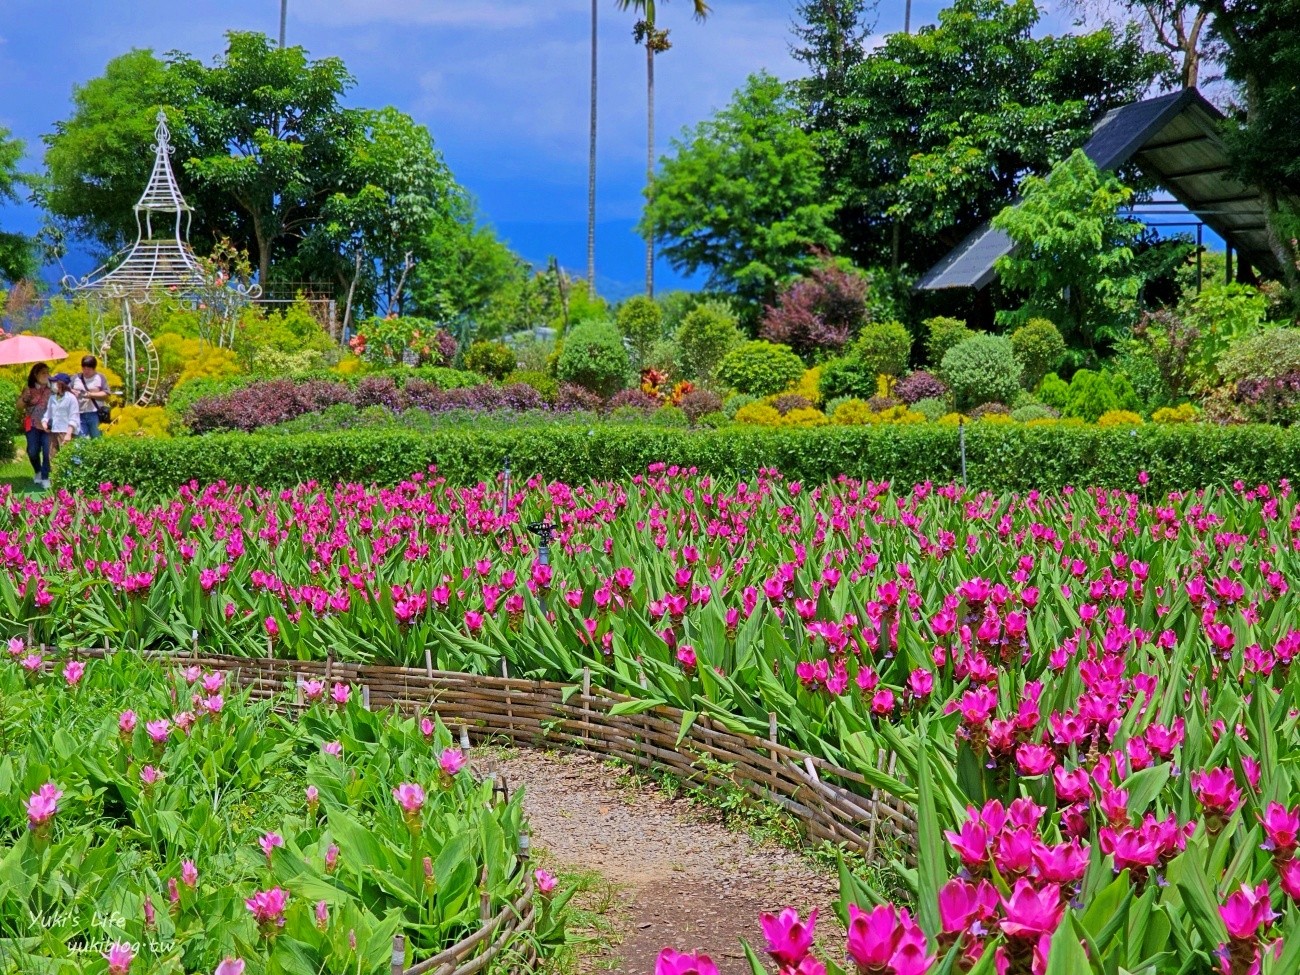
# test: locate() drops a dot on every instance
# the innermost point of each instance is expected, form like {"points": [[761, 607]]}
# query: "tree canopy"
{"points": [[17, 251], [742, 196]]}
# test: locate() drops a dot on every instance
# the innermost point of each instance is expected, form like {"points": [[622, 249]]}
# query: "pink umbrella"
{"points": [[21, 349]]}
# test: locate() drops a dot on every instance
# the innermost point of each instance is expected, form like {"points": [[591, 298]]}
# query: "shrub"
{"points": [[496, 360], [734, 403], [1183, 413], [809, 385], [882, 404], [942, 334], [758, 414], [760, 368], [640, 320], [669, 416], [847, 376], [851, 412], [1119, 418], [883, 348], [790, 401], [1171, 342], [931, 409], [990, 409], [982, 369], [919, 385], [817, 315], [10, 418], [1039, 348], [595, 358], [1033, 411], [1269, 354], [699, 403], [707, 333], [572, 397], [547, 385], [634, 400], [804, 416], [139, 421], [1054, 391], [663, 358], [1093, 393], [1012, 457]]}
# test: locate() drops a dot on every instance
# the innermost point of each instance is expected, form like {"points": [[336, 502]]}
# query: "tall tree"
{"points": [[647, 33], [1181, 28], [936, 129], [741, 196], [267, 155], [830, 36], [1263, 57], [591, 161], [17, 251]]}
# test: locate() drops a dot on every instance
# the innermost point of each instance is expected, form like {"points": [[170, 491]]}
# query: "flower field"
{"points": [[1086, 692], [156, 821]]}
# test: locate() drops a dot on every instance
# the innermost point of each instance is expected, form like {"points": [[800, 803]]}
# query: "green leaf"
{"points": [[1067, 956], [931, 874]]}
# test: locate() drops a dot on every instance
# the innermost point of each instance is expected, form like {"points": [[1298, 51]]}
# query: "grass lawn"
{"points": [[16, 471]]}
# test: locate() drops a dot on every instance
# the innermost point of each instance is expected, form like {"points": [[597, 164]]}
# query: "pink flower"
{"points": [[230, 966], [119, 957], [43, 804], [1216, 790], [411, 798], [269, 842], [313, 690], [267, 907], [451, 761], [1282, 827], [884, 937], [271, 626], [686, 656], [340, 693], [331, 858], [16, 646], [1289, 872], [322, 915], [149, 775], [1034, 759], [126, 723], [1032, 911], [426, 727], [189, 874], [332, 748], [788, 939], [313, 796], [73, 671], [545, 881], [158, 730], [962, 904], [671, 962], [1246, 911], [32, 662]]}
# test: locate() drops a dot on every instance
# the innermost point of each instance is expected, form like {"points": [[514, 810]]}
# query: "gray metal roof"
{"points": [[1176, 139]]}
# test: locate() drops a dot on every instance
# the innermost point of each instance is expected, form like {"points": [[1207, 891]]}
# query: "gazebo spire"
{"points": [[162, 194]]}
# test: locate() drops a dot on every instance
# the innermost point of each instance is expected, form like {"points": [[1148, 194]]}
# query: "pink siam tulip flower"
{"points": [[884, 937], [322, 915], [333, 749], [42, 805], [426, 727], [671, 962], [16, 646], [963, 904], [158, 730], [686, 657], [313, 690], [340, 693], [1034, 760], [267, 908], [149, 775], [1282, 829], [331, 858], [410, 797], [126, 723], [1289, 872], [173, 891], [150, 915], [313, 798], [213, 682], [451, 761], [1031, 911], [191, 674], [1216, 790], [73, 671], [230, 966], [184, 721], [920, 683], [788, 939], [119, 957], [189, 874], [32, 663], [271, 626], [545, 881], [269, 842]]}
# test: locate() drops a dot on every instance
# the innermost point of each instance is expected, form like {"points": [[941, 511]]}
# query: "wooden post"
{"points": [[484, 898], [194, 644], [510, 711], [365, 696], [586, 703], [428, 662], [399, 955]]}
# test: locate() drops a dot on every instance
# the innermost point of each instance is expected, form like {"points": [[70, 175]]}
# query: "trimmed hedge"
{"points": [[999, 457]]}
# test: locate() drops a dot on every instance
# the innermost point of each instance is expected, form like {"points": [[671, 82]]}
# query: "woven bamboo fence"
{"points": [[476, 952], [830, 803]]}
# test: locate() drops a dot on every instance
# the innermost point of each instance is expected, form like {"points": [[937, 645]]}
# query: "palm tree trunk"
{"points": [[591, 167], [650, 156]]}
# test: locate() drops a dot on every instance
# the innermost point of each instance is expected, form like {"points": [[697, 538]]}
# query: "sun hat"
{"points": [[61, 377]]}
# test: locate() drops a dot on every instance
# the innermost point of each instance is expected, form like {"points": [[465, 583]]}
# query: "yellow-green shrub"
{"points": [[803, 418], [852, 412], [1118, 418], [809, 386], [759, 415], [952, 419], [139, 421], [1184, 413]]}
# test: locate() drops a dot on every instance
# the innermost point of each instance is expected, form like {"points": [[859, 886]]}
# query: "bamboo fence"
{"points": [[830, 803]]}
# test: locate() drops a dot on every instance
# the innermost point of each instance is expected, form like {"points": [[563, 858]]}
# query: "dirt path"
{"points": [[680, 878]]}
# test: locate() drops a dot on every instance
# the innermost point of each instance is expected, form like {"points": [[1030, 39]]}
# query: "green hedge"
{"points": [[1001, 457]]}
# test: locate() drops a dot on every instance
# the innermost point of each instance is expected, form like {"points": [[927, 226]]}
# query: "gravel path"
{"points": [[684, 880]]}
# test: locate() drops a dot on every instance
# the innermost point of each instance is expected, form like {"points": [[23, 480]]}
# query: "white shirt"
{"points": [[63, 413], [95, 384]]}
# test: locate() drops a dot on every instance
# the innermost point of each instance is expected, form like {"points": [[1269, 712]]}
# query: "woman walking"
{"points": [[62, 420], [32, 403]]}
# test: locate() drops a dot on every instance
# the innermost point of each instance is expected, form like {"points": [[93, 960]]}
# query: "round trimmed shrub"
{"points": [[573, 398], [594, 358], [707, 333], [496, 360], [637, 400], [942, 334], [640, 320], [1119, 418], [760, 368], [982, 369], [931, 409], [669, 416], [548, 386], [1033, 411], [1039, 348], [699, 403], [847, 377], [883, 348], [790, 401], [990, 409], [10, 418], [919, 385], [735, 403]]}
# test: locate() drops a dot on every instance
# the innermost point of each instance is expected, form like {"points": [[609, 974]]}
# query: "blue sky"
{"points": [[501, 84]]}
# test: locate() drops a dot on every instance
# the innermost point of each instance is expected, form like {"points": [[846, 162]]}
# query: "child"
{"points": [[62, 413]]}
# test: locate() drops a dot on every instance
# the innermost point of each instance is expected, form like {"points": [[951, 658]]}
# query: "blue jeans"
{"points": [[38, 452], [90, 424]]}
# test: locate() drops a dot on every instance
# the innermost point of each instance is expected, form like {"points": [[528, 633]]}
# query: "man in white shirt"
{"points": [[92, 393]]}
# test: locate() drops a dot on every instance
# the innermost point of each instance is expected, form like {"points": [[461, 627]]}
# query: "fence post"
{"points": [[428, 662], [365, 696], [510, 711], [399, 955], [586, 703], [484, 898]]}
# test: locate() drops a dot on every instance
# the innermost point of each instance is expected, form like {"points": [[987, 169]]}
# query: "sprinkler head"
{"points": [[544, 530]]}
